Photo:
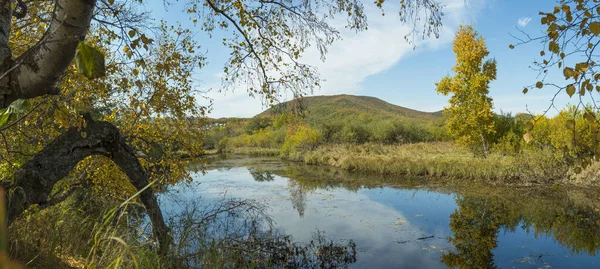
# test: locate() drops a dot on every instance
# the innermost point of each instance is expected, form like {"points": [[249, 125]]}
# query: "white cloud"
{"points": [[359, 55], [524, 21]]}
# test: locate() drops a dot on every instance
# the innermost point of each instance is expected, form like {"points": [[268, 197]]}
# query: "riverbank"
{"points": [[443, 159]]}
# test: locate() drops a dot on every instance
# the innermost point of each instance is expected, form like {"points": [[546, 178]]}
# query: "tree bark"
{"points": [[36, 72], [34, 181], [486, 150]]}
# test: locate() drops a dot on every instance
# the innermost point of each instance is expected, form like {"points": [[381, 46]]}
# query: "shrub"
{"points": [[300, 139], [354, 133]]}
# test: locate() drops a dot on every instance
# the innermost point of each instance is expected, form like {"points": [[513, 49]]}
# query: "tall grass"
{"points": [[258, 151], [441, 159]]}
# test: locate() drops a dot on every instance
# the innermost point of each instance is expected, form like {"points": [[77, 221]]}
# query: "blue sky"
{"points": [[379, 63]]}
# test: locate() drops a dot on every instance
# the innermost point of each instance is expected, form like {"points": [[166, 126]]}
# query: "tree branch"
{"points": [[34, 181], [41, 67]]}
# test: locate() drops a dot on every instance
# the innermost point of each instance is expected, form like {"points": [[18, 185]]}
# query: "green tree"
{"points": [[470, 117]]}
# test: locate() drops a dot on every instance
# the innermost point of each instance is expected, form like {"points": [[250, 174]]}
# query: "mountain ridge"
{"points": [[345, 105]]}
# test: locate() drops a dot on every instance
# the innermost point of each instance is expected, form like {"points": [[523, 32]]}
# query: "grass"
{"points": [[258, 151], [441, 159]]}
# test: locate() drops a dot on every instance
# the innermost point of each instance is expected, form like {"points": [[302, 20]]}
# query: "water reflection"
{"points": [[479, 220], [236, 233], [260, 175], [475, 225], [463, 225], [297, 196]]}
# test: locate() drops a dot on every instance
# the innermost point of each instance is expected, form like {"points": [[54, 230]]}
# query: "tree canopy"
{"points": [[470, 116]]}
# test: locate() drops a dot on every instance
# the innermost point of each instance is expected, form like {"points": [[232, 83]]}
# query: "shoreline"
{"points": [[441, 160]]}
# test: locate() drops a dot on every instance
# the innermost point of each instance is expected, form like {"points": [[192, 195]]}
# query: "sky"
{"points": [[380, 63]]}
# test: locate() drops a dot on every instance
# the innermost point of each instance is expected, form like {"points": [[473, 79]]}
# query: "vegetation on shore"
{"points": [[552, 156], [440, 160]]}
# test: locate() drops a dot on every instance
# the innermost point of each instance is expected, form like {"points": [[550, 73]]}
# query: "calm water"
{"points": [[412, 223]]}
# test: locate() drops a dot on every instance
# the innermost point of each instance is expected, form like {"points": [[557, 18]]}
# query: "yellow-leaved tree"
{"points": [[470, 117], [568, 49]]}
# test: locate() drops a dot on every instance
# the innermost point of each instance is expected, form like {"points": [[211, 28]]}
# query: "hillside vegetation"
{"points": [[327, 120], [323, 108]]}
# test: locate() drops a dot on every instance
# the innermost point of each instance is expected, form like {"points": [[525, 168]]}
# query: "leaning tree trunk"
{"points": [[34, 181]]}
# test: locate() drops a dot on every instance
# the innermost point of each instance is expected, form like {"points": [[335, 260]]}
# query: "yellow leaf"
{"points": [[589, 116], [570, 90], [539, 85], [529, 126], [595, 28]]}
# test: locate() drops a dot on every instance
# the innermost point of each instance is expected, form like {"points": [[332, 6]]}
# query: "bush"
{"points": [[354, 133], [509, 143], [568, 131], [257, 124], [300, 139], [387, 132]]}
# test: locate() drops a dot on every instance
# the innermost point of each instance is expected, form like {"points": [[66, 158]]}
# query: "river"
{"points": [[413, 222]]}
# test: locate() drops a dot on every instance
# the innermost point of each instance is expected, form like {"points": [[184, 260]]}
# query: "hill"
{"points": [[320, 108]]}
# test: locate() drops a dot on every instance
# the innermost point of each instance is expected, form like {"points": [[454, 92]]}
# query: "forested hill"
{"points": [[319, 108]]}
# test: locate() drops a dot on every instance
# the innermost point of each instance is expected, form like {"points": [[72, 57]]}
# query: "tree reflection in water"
{"points": [[239, 234], [475, 225], [478, 220], [260, 175], [297, 196]]}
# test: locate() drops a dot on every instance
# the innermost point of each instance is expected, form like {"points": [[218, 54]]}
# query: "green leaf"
{"points": [[89, 61], [4, 117], [570, 124], [18, 106]]}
